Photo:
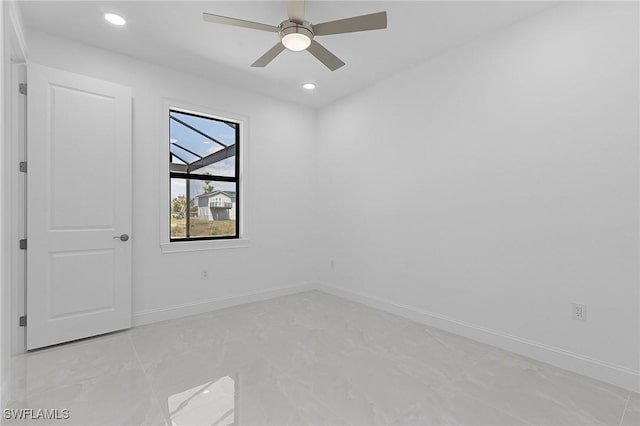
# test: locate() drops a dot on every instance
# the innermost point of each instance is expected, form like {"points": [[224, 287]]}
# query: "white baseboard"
{"points": [[201, 306], [601, 370]]}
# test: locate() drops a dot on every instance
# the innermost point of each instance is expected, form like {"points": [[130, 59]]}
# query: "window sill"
{"points": [[184, 246]]}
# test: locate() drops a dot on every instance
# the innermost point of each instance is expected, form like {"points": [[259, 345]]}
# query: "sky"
{"points": [[191, 140]]}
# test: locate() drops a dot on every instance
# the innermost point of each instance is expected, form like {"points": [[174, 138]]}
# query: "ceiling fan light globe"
{"points": [[296, 41]]}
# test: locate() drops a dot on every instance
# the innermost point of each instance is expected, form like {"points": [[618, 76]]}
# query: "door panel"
{"points": [[77, 293], [86, 149], [78, 200]]}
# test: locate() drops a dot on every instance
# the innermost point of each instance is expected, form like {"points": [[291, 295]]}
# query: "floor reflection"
{"points": [[212, 403]]}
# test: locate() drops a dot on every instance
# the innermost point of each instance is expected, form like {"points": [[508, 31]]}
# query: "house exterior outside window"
{"points": [[204, 176]]}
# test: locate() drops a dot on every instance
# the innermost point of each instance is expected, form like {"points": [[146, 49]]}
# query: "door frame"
{"points": [[12, 277], [18, 207], [13, 183], [14, 191]]}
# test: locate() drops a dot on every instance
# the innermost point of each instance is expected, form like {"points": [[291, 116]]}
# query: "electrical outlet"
{"points": [[204, 274], [579, 311]]}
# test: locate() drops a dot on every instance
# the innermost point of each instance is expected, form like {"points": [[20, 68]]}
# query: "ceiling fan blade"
{"points": [[264, 60], [330, 60], [218, 19], [296, 10], [374, 21]]}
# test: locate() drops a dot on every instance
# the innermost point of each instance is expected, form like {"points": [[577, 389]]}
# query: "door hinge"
{"points": [[22, 88], [22, 321], [22, 166], [23, 244]]}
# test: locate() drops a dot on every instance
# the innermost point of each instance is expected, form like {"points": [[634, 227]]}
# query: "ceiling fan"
{"points": [[297, 34]]}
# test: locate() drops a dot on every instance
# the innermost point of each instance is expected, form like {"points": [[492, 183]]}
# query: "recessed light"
{"points": [[309, 86], [114, 19]]}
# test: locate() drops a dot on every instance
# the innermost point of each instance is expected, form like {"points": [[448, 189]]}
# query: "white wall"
{"points": [[5, 332], [278, 196], [513, 164]]}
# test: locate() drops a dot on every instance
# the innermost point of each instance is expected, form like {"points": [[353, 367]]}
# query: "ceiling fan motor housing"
{"points": [[290, 27]]}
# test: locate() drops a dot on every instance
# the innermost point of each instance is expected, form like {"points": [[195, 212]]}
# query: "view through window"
{"points": [[203, 167]]}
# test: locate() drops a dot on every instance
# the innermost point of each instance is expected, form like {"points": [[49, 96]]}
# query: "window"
{"points": [[204, 177]]}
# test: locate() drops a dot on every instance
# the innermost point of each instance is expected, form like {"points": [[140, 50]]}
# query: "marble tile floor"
{"points": [[305, 359]]}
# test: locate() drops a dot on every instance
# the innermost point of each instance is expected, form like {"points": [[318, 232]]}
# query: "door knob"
{"points": [[123, 237]]}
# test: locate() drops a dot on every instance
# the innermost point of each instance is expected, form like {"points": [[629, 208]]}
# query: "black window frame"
{"points": [[195, 176]]}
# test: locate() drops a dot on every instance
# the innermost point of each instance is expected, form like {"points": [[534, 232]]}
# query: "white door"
{"points": [[78, 200]]}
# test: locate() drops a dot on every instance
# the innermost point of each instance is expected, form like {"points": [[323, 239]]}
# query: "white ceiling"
{"points": [[173, 33]]}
